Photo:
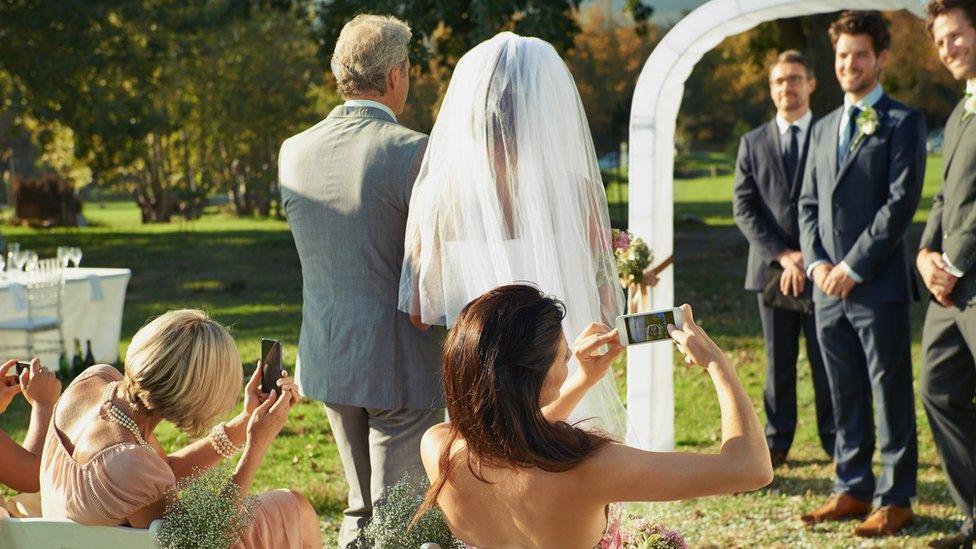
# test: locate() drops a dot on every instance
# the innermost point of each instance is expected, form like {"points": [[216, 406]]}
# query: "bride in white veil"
{"points": [[509, 190]]}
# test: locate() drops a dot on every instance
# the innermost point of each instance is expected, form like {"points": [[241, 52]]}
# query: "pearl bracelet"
{"points": [[221, 442]]}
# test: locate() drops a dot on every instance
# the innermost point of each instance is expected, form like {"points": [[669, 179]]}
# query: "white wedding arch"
{"points": [[654, 112]]}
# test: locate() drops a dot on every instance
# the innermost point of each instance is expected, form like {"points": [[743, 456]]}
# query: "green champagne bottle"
{"points": [[78, 362]]}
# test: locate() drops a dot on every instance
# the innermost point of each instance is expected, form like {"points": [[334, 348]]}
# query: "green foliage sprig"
{"points": [[208, 512], [390, 527]]}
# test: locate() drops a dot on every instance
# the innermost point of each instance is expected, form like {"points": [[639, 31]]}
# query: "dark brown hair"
{"points": [[942, 7], [794, 56], [871, 23], [495, 363]]}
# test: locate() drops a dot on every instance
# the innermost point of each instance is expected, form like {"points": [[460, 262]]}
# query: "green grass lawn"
{"points": [[246, 273]]}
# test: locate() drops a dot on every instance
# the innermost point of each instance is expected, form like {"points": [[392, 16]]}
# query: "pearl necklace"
{"points": [[116, 415]]}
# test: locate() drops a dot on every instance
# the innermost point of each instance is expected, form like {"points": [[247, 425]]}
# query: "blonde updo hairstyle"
{"points": [[185, 367]]}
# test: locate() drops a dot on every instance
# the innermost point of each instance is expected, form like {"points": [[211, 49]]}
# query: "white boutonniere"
{"points": [[970, 106], [867, 124]]}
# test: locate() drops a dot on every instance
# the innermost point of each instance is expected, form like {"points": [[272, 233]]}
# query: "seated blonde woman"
{"points": [[19, 464], [103, 465]]}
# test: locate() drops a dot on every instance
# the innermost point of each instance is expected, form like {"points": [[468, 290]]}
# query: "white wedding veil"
{"points": [[509, 190]]}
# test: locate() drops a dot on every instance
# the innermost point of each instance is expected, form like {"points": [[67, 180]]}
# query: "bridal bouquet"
{"points": [[208, 512], [633, 256], [644, 534]]}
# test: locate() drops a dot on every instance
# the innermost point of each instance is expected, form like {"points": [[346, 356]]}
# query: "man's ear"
{"points": [[883, 59], [812, 82]]}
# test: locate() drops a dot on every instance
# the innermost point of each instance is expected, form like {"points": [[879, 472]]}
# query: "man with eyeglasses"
{"points": [[769, 174]]}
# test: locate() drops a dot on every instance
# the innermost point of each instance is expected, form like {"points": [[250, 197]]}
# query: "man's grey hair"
{"points": [[368, 47]]}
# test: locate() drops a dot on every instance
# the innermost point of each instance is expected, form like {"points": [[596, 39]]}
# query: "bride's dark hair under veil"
{"points": [[509, 190]]}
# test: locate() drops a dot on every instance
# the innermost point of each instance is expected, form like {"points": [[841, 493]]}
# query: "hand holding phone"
{"points": [[270, 365], [648, 327]]}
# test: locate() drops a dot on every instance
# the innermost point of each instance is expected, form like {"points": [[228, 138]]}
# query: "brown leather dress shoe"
{"points": [[838, 507], [885, 521], [777, 458]]}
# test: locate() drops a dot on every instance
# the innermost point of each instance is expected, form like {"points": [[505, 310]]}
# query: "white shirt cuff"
{"points": [[950, 268], [850, 272], [813, 266]]}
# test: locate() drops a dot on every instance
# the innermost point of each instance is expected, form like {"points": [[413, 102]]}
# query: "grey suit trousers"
{"points": [[376, 448], [948, 387]]}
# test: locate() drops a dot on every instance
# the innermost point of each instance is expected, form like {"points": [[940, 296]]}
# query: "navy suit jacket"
{"points": [[858, 212], [765, 202]]}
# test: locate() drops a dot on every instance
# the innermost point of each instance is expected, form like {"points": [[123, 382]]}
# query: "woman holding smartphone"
{"points": [[508, 471], [103, 465], [20, 464]]}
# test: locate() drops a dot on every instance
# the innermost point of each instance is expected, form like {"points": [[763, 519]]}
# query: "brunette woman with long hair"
{"points": [[508, 471]]}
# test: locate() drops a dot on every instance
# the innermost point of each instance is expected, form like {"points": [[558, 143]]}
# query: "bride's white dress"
{"points": [[509, 190]]}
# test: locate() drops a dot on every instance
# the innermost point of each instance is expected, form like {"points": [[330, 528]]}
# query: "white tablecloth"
{"points": [[91, 309]]}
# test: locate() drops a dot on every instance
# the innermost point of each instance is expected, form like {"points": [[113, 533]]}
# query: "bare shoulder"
{"points": [[435, 438], [431, 446]]}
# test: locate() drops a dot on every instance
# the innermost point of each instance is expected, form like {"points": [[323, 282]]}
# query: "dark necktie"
{"points": [[791, 156], [851, 132]]}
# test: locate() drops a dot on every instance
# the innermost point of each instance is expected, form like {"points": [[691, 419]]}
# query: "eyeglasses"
{"points": [[791, 80]]}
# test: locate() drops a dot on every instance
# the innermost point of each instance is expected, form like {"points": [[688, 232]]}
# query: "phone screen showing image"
{"points": [[271, 361], [649, 327]]}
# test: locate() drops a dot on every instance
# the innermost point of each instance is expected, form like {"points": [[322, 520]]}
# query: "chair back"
{"points": [[45, 288]]}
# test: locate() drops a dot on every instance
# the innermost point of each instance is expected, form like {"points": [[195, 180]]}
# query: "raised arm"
{"points": [[20, 465], [260, 427], [623, 473], [592, 369]]}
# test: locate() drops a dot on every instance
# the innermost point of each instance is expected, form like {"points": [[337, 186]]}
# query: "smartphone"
{"points": [[270, 364], [648, 327], [15, 379]]}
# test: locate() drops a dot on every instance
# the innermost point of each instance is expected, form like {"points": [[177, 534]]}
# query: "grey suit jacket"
{"points": [[345, 185], [764, 202], [858, 212], [951, 227]]}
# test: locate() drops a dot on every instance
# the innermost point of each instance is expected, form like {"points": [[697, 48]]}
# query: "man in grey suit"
{"points": [[768, 176], [862, 187], [946, 260], [346, 184]]}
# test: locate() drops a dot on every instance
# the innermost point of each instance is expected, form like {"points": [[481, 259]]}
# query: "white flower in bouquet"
{"points": [[208, 512], [632, 255]]}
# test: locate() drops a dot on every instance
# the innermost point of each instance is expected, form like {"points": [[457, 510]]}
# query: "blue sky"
{"points": [[669, 11]]}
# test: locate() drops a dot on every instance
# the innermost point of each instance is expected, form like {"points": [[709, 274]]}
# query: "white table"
{"points": [[91, 309]]}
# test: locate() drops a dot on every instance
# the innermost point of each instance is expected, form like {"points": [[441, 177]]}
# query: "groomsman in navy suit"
{"points": [[768, 177], [862, 185], [947, 262]]}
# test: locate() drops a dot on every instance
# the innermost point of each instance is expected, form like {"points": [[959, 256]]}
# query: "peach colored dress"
{"points": [[125, 477]]}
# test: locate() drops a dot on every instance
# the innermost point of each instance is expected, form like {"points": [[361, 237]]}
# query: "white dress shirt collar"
{"points": [[369, 103], [803, 123], [869, 100]]}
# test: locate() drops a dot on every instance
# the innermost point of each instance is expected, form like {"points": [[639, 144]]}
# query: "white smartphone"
{"points": [[648, 327]]}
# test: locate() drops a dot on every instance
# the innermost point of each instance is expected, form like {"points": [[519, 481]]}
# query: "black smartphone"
{"points": [[19, 368], [270, 364]]}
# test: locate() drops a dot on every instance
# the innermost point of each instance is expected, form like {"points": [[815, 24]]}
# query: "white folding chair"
{"points": [[33, 533], [43, 288]]}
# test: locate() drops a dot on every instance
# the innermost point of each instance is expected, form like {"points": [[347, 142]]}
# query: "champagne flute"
{"points": [[63, 257], [30, 260], [76, 255]]}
